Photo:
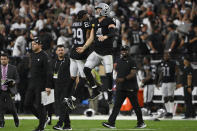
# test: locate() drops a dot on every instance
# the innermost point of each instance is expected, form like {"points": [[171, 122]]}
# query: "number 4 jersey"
{"points": [[79, 29], [101, 29]]}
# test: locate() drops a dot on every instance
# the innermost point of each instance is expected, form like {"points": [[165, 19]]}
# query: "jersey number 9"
{"points": [[78, 36]]}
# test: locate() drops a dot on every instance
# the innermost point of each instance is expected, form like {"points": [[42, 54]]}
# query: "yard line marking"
{"points": [[98, 117], [103, 129]]}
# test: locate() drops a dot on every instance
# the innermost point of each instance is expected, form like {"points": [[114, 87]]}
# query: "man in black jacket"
{"points": [[40, 70], [6, 103], [126, 87], [61, 77]]}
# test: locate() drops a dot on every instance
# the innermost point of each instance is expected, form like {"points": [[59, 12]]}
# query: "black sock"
{"points": [[70, 87], [110, 81], [81, 91], [89, 76]]}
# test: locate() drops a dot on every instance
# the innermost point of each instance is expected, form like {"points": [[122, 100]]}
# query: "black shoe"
{"points": [[108, 125], [57, 127], [67, 128], [169, 115], [141, 125], [186, 117], [16, 121], [95, 93], [2, 124], [110, 96], [70, 102]]}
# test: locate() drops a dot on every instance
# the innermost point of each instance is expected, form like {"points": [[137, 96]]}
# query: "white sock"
{"points": [[171, 105], [95, 86], [167, 107]]}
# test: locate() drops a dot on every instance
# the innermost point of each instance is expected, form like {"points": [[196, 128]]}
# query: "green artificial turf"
{"points": [[121, 125]]}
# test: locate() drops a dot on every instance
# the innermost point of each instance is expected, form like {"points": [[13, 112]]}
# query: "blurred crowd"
{"points": [[148, 27]]}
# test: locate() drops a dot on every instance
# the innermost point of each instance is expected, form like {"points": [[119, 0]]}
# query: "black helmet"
{"points": [[36, 39]]}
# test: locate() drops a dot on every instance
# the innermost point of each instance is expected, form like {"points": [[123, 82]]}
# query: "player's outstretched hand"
{"points": [[102, 38], [80, 49]]}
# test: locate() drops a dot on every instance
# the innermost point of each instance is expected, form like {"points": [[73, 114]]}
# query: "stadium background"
{"points": [[20, 20]]}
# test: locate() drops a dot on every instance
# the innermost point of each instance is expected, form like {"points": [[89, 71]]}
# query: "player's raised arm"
{"points": [[88, 42]]}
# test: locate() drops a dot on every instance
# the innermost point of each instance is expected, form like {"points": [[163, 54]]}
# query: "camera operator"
{"points": [[6, 103]]}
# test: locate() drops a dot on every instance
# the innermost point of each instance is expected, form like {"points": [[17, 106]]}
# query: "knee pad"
{"points": [[171, 98], [166, 99]]}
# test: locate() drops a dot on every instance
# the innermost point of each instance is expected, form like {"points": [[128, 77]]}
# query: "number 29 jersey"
{"points": [[79, 29], [168, 70]]}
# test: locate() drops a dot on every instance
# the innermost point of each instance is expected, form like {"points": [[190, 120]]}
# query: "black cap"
{"points": [[124, 48], [81, 13], [37, 40]]}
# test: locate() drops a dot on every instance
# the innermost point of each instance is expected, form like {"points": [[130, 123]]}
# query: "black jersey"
{"points": [[124, 68], [134, 37], [186, 71], [79, 30], [100, 29], [168, 70]]}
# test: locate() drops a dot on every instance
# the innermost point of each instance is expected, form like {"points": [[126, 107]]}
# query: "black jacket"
{"points": [[40, 70], [11, 74], [62, 69], [123, 69]]}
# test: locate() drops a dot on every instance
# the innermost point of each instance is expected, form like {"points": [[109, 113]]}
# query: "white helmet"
{"points": [[105, 9]]}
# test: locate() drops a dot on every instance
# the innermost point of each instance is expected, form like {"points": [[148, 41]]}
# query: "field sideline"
{"points": [[124, 123]]}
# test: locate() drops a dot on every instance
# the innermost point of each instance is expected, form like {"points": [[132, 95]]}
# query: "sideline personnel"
{"points": [[60, 80], [187, 82], [40, 69], [126, 87], [6, 103]]}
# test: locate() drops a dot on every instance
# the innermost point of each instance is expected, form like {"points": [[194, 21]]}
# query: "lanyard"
{"points": [[59, 66]]}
